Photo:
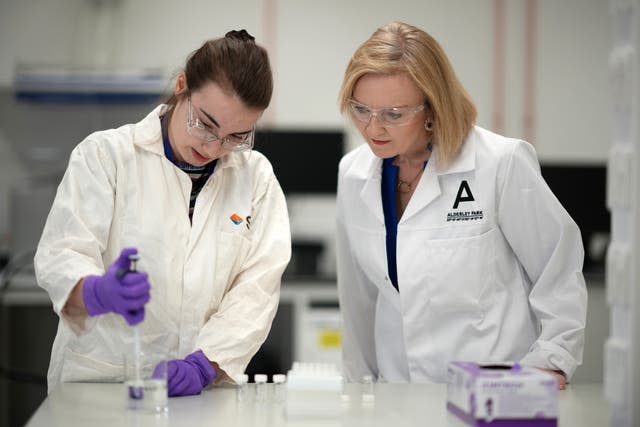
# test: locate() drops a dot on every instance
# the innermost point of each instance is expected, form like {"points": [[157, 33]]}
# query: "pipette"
{"points": [[136, 391]]}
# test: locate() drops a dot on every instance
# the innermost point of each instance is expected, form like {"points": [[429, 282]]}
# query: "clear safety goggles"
{"points": [[388, 116], [231, 142]]}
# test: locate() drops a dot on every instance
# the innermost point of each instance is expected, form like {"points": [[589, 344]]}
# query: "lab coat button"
{"points": [[386, 279]]}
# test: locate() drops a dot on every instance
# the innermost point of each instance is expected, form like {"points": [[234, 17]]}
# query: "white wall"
{"points": [[573, 85], [312, 43]]}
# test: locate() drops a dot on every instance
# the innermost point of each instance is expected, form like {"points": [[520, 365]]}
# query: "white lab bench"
{"points": [[30, 352], [301, 295], [398, 405]]}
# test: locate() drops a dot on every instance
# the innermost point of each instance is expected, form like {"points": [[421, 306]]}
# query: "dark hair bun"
{"points": [[240, 35]]}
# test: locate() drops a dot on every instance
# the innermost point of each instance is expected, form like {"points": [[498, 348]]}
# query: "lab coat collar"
{"points": [[370, 171], [148, 136], [429, 185], [148, 132], [427, 190], [465, 160]]}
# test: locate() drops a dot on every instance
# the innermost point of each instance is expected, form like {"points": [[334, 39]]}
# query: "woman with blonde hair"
{"points": [[451, 246]]}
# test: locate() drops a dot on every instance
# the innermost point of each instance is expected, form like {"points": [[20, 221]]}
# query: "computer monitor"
{"points": [[582, 190], [305, 161]]}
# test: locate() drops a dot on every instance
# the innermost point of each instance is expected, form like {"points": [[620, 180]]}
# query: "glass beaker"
{"points": [[145, 379]]}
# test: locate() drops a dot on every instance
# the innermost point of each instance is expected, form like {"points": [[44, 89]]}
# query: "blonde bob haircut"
{"points": [[402, 48]]}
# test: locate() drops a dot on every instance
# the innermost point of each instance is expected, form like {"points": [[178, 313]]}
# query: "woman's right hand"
{"points": [[118, 290]]}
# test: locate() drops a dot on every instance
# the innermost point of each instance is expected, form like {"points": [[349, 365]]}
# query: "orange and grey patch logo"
{"points": [[236, 219]]}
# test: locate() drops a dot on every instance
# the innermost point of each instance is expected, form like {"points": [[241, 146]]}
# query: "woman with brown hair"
{"points": [[184, 190]]}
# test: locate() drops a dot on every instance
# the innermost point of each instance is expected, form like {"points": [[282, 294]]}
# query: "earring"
{"points": [[428, 125]]}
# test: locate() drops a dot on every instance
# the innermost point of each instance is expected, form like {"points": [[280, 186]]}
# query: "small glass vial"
{"points": [[262, 390], [279, 388], [242, 390], [367, 389]]}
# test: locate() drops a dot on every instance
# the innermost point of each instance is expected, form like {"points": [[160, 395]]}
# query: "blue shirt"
{"points": [[389, 206], [389, 183], [198, 174]]}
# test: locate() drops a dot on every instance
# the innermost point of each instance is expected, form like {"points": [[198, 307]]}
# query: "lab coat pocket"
{"points": [[460, 272], [79, 367]]}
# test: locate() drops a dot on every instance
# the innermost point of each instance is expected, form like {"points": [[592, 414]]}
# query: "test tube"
{"points": [[243, 388], [367, 389], [279, 388], [261, 388]]}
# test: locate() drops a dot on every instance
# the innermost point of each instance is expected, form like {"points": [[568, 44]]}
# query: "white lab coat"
{"points": [[501, 282], [215, 284]]}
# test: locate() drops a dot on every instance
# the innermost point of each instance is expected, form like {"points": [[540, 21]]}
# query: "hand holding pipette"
{"points": [[118, 290]]}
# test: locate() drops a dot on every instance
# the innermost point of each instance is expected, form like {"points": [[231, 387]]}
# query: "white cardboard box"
{"points": [[502, 394]]}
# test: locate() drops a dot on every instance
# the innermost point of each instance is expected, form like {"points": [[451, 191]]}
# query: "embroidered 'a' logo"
{"points": [[464, 194]]}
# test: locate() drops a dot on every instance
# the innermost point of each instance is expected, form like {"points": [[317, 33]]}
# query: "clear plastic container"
{"points": [[367, 389], [279, 388], [145, 378], [262, 390], [242, 390]]}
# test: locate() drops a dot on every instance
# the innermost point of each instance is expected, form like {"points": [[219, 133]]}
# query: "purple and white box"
{"points": [[505, 395]]}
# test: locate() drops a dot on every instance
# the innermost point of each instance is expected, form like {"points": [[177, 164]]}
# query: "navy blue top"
{"points": [[389, 206], [198, 174], [389, 183]]}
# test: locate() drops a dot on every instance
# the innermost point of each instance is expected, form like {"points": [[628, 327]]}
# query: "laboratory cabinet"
{"points": [[27, 328]]}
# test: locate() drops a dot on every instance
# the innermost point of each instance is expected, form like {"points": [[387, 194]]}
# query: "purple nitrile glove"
{"points": [[189, 375], [118, 290]]}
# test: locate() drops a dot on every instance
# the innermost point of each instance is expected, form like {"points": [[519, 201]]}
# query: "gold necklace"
{"points": [[405, 186]]}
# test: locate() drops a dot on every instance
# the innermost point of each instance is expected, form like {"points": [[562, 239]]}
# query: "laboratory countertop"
{"points": [[397, 405]]}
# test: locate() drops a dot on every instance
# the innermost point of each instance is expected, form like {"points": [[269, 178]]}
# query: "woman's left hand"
{"points": [[190, 375], [562, 380]]}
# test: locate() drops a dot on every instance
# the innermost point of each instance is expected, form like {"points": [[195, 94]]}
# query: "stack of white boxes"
{"points": [[622, 349]]}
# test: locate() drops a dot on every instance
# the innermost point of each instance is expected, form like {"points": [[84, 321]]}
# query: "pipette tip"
{"points": [[136, 392]]}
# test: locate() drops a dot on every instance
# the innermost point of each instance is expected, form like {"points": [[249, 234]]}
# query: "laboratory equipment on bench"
{"points": [[146, 369], [314, 390]]}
